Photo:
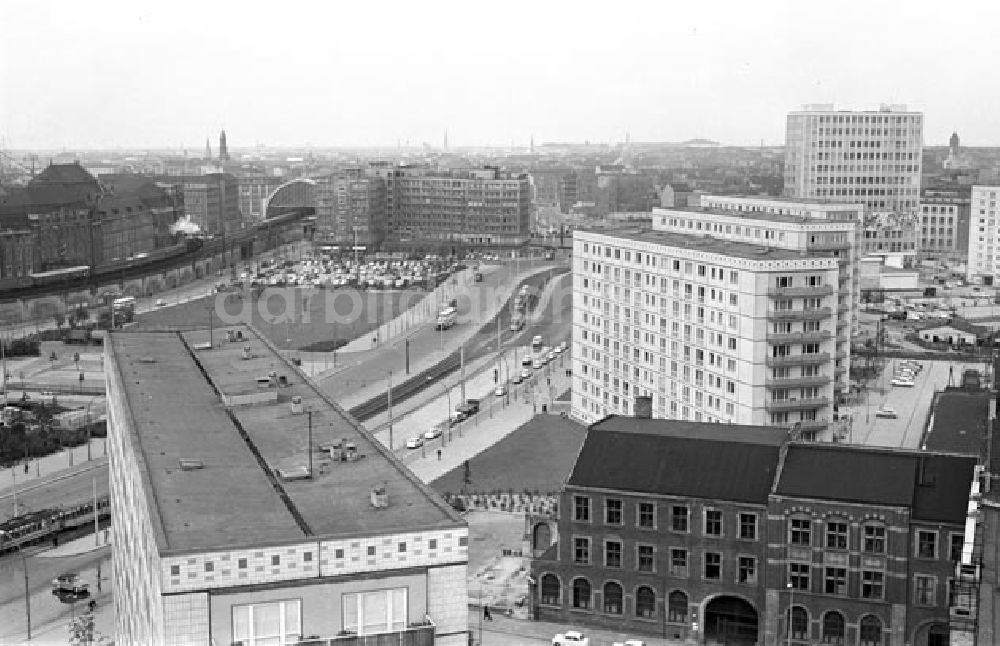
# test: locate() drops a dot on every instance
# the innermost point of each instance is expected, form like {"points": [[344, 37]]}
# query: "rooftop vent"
{"points": [[191, 465], [147, 360], [380, 497]]}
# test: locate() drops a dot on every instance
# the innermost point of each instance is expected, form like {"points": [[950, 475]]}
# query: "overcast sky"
{"points": [[165, 74]]}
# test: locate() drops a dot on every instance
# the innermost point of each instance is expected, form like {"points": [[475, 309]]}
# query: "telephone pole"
{"points": [[389, 395], [461, 356]]}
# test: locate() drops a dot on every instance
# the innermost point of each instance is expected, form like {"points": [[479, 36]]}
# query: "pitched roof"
{"points": [[680, 458], [63, 174]]}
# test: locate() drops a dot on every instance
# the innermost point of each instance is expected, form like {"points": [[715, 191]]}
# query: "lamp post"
{"points": [[791, 602], [27, 592], [447, 391]]}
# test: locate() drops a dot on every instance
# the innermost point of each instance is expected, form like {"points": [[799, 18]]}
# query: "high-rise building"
{"points": [[719, 315], [223, 148], [984, 236], [868, 157], [351, 209], [249, 508], [944, 221]]}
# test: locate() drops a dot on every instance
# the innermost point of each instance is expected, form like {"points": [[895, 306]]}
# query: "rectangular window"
{"points": [[836, 535], [678, 562], [264, 624], [380, 611], [613, 511], [955, 551], [581, 551], [645, 557], [874, 539], [748, 526], [835, 580], [612, 554], [924, 593], [713, 566], [926, 544], [581, 509], [798, 575], [713, 522], [800, 532], [872, 584], [679, 518], [646, 513], [747, 570]]}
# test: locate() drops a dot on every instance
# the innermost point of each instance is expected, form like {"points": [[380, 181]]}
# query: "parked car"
{"points": [[69, 582], [563, 347], [886, 412], [433, 434], [500, 390], [525, 374], [571, 638], [630, 642], [902, 382], [517, 378], [415, 442], [160, 302]]}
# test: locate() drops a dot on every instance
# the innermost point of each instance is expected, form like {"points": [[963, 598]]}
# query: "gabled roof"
{"points": [[670, 457], [63, 174]]}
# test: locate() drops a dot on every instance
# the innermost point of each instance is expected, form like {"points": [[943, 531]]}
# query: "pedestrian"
{"points": [[25, 467], [486, 613], [439, 455]]}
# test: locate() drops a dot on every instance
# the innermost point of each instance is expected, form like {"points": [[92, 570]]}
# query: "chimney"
{"points": [[644, 407]]}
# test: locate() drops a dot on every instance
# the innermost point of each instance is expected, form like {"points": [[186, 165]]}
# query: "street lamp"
{"points": [[791, 602], [447, 391]]}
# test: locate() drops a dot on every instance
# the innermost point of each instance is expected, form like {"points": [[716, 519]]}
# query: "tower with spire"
{"points": [[208, 149], [223, 149]]}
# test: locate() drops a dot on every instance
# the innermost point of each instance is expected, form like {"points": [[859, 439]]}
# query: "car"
{"points": [[886, 413], [563, 347], [538, 363], [571, 638], [525, 374], [160, 302], [433, 434], [551, 355], [536, 340], [500, 390], [517, 378], [630, 642], [902, 382], [415, 442], [69, 582]]}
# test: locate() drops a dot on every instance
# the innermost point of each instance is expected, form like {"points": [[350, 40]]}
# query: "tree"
{"points": [[83, 633]]}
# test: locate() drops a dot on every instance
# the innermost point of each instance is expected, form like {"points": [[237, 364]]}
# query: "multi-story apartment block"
{"points": [[483, 206], [249, 508], [984, 236], [944, 221], [211, 201], [351, 209], [719, 316], [720, 534], [254, 191], [869, 157]]}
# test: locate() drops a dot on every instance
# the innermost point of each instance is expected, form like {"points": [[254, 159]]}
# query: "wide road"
{"points": [[66, 487]]}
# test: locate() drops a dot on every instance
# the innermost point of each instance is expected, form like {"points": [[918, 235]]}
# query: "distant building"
{"points": [[241, 519], [944, 221], [211, 201], [254, 191], [351, 209], [738, 534], [623, 190], [984, 236], [223, 148]]}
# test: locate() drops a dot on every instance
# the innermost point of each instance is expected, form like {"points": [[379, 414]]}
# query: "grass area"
{"points": [[538, 456], [301, 319]]}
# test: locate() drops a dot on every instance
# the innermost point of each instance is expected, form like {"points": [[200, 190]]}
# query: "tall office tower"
{"points": [[720, 316], [868, 157], [249, 508], [223, 148], [984, 236]]}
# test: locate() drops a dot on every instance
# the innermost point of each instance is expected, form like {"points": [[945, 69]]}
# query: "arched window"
{"points": [[677, 607], [799, 623], [550, 590], [833, 628], [581, 593], [871, 631], [645, 602], [612, 598]]}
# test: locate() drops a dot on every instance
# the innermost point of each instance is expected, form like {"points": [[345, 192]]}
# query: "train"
{"points": [[45, 524]]}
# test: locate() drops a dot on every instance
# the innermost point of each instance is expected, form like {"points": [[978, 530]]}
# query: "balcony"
{"points": [[813, 314], [841, 322], [811, 426], [798, 292], [798, 337], [796, 404], [830, 245], [412, 636], [798, 359], [797, 382], [842, 354], [843, 307]]}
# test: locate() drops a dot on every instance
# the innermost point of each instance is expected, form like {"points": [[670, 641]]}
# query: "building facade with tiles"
{"points": [[230, 532], [717, 316], [984, 236], [712, 533]]}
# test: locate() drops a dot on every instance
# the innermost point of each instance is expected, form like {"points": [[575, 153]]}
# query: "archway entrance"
{"points": [[730, 621], [934, 634]]}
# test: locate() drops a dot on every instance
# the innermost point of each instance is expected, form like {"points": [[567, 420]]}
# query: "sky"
{"points": [[133, 75]]}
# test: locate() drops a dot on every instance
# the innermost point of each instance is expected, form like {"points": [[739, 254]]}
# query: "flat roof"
{"points": [[753, 215], [702, 242], [811, 201], [174, 394]]}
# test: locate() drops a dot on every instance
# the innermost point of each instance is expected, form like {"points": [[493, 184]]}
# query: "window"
{"points": [[550, 590], [581, 551], [871, 631], [645, 557], [612, 554], [307, 557], [175, 570], [581, 593], [874, 539], [209, 566], [955, 551], [242, 564], [380, 611], [646, 514], [799, 622], [645, 602], [581, 509], [713, 566], [872, 584], [677, 607], [836, 535], [833, 628], [747, 570], [371, 550], [678, 562], [924, 590], [268, 623], [613, 511], [679, 518], [835, 580], [613, 598], [275, 560], [748, 526], [798, 575], [926, 544], [713, 522], [800, 531]]}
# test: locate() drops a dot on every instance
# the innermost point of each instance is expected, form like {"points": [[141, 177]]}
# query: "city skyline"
{"points": [[140, 77]]}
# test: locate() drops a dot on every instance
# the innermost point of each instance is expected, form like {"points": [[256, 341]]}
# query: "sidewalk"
{"points": [[51, 465], [502, 631]]}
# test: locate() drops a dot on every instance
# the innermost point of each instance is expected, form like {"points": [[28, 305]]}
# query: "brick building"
{"points": [[709, 531]]}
